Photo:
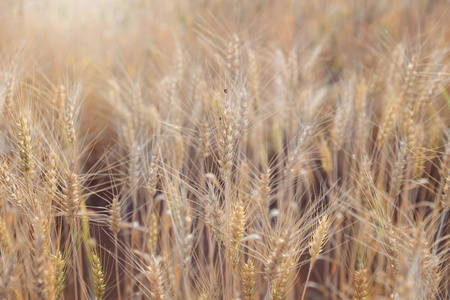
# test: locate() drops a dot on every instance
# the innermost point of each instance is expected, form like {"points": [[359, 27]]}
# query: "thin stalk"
{"points": [[306, 283], [74, 261], [116, 240]]}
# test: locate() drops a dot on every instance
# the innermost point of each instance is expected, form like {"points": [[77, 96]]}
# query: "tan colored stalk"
{"points": [[133, 178], [115, 219], [133, 188]]}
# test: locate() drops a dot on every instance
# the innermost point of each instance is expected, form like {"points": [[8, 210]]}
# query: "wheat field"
{"points": [[264, 149]]}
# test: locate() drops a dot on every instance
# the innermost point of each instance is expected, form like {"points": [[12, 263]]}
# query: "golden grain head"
{"points": [[216, 150]]}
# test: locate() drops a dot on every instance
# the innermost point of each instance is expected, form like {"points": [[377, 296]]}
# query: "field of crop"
{"points": [[263, 149]]}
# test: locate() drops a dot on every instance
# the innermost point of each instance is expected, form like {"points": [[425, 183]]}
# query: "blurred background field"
{"points": [[224, 149]]}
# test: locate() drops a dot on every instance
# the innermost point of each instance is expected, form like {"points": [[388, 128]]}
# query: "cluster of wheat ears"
{"points": [[224, 150]]}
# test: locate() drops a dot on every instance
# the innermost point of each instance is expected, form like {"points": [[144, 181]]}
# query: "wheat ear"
{"points": [[360, 284], [248, 276], [316, 246], [98, 277]]}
